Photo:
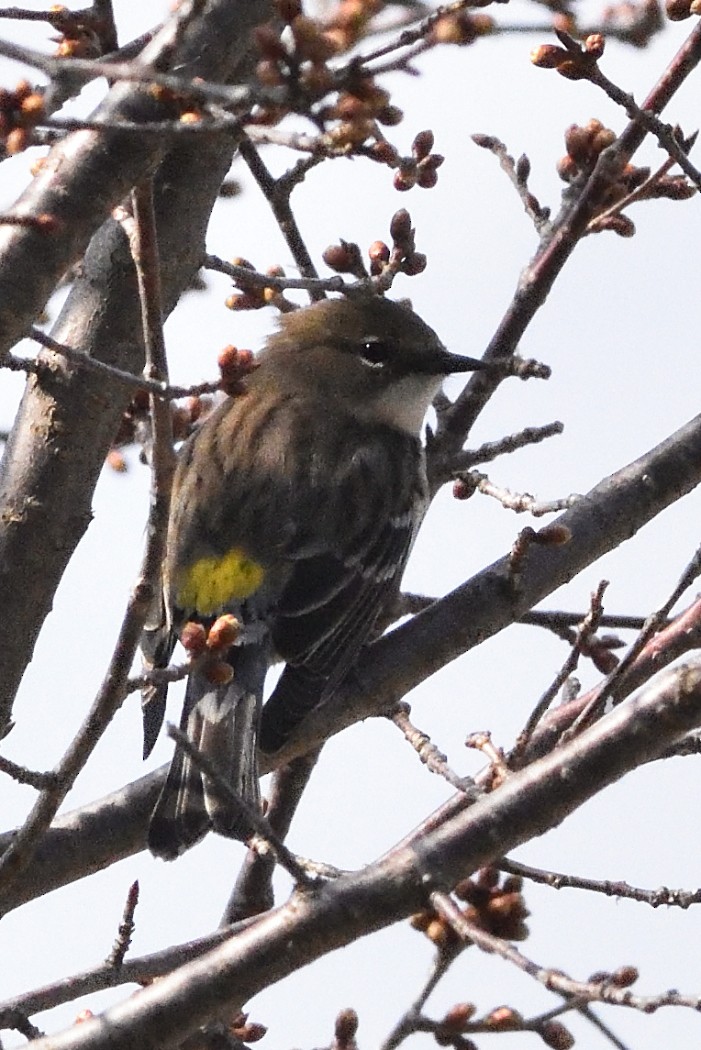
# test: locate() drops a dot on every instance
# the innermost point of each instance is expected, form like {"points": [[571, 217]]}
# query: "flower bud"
{"points": [[555, 1035], [400, 226], [422, 144], [594, 44], [548, 56]]}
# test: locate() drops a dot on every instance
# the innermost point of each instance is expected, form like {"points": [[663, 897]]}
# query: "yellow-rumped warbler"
{"points": [[294, 508]]}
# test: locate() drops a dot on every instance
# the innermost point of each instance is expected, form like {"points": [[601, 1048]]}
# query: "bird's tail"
{"points": [[221, 721]]}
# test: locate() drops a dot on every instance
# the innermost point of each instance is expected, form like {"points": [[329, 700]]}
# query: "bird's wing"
{"points": [[331, 603], [327, 612]]}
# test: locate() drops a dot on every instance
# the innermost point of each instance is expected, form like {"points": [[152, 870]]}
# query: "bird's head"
{"points": [[374, 356]]}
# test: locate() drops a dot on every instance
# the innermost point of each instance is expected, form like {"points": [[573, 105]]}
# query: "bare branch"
{"points": [[312, 924]]}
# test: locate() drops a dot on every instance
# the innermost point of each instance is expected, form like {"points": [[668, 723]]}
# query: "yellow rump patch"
{"points": [[209, 584]]}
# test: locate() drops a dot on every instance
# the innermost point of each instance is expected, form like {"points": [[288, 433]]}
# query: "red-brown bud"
{"points": [[193, 638], [553, 535], [595, 44], [348, 107], [346, 1028], [422, 144], [32, 107], [461, 490], [317, 79], [567, 168], [269, 73], [624, 976], [674, 188], [385, 153], [439, 933], [414, 264], [555, 1035], [432, 162], [459, 1015], [378, 252], [400, 226], [619, 224], [677, 10], [17, 141], [116, 461], [548, 56], [602, 140], [252, 1032], [341, 257], [427, 179], [573, 70], [389, 116], [578, 142], [228, 358], [404, 180], [504, 1019]]}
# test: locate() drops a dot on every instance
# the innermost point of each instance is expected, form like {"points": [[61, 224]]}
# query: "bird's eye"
{"points": [[375, 353]]}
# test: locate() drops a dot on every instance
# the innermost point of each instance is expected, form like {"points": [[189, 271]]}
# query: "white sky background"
{"points": [[619, 332]]}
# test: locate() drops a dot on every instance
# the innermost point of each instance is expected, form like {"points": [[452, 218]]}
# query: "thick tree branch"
{"points": [[612, 512], [608, 515], [68, 418], [312, 924]]}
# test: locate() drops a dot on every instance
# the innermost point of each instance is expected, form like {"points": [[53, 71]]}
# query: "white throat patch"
{"points": [[405, 404]]}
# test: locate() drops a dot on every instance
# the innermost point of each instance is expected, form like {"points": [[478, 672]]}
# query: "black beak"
{"points": [[446, 364]]}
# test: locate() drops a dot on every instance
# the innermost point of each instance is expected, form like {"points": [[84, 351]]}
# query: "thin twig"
{"points": [[144, 247], [260, 827], [406, 1025], [409, 603], [567, 229], [22, 775], [243, 276], [587, 628], [519, 502], [605, 991], [518, 172], [277, 193], [609, 888], [653, 624], [432, 758], [664, 134], [158, 387], [140, 970], [490, 450], [159, 676], [253, 891], [126, 929], [80, 71]]}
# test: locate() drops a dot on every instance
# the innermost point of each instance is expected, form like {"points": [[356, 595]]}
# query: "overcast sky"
{"points": [[619, 332]]}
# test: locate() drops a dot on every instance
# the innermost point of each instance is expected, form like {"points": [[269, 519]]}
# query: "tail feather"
{"points": [[222, 723], [157, 644], [179, 819]]}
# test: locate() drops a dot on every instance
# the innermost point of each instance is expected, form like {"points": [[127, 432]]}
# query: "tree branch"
{"points": [[68, 418], [312, 924], [608, 515]]}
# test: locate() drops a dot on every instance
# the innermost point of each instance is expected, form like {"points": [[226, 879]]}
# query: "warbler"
{"points": [[295, 506]]}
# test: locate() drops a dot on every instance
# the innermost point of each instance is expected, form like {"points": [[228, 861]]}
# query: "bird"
{"points": [[295, 506]]}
